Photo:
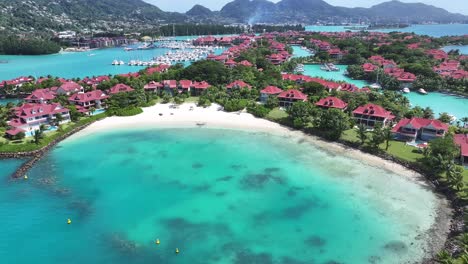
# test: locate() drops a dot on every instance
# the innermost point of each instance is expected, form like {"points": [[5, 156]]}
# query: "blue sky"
{"points": [[458, 6]]}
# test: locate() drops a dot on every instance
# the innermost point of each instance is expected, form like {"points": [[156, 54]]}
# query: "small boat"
{"points": [[115, 62], [406, 90], [422, 91], [376, 86], [452, 118]]}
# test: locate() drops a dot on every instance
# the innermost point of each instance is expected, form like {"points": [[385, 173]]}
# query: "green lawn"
{"points": [[277, 114], [397, 149]]}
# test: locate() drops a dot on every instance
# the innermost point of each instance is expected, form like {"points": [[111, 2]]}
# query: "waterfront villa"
{"points": [[120, 88], [269, 91], [170, 85], [332, 102], [462, 141], [69, 88], [370, 114], [85, 101], [239, 84], [29, 117], [41, 96], [419, 128], [199, 87], [289, 97], [184, 86], [369, 67], [153, 86]]}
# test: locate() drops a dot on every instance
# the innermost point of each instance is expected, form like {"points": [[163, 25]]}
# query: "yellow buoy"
{"points": [[25, 177], [157, 241], [69, 221], [177, 250]]}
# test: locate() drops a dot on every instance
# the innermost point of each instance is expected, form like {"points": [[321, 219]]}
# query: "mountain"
{"points": [[412, 11], [311, 11], [200, 11], [97, 14], [247, 10], [40, 16]]}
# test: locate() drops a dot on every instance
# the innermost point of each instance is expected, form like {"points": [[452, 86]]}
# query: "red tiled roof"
{"points": [[14, 131], [153, 85], [33, 110], [373, 110], [293, 94], [170, 83], [201, 85], [271, 90], [238, 84], [418, 123], [88, 97], [462, 141], [332, 102], [185, 84], [119, 88], [44, 94], [70, 86]]}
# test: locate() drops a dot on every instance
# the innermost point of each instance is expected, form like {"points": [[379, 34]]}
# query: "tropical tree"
{"points": [[464, 120], [333, 122], [445, 117], [38, 134], [455, 177], [300, 113], [387, 136], [377, 136], [362, 133], [428, 113], [444, 257]]}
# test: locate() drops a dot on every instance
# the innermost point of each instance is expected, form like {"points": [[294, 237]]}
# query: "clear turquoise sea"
{"points": [[439, 102], [76, 64], [220, 196]]}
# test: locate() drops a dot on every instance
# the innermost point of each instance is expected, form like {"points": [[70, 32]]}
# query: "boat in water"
{"points": [[299, 68], [376, 86], [422, 91], [329, 67], [406, 90]]}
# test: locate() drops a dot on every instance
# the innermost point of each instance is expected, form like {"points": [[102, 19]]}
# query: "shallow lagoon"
{"points": [[220, 196]]}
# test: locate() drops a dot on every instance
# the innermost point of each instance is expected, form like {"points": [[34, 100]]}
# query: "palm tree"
{"points": [[444, 257], [362, 130], [91, 110], [455, 177], [387, 135], [464, 120], [463, 241], [37, 136]]}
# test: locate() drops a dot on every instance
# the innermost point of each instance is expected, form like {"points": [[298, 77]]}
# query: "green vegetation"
{"points": [[128, 111], [12, 45]]}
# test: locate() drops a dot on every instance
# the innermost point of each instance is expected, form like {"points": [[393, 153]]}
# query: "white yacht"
{"points": [[406, 90], [422, 91]]}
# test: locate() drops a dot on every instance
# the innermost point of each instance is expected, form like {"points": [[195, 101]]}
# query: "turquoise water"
{"points": [[6, 101], [298, 52], [76, 64], [462, 49], [315, 71], [439, 102], [220, 196], [430, 30]]}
